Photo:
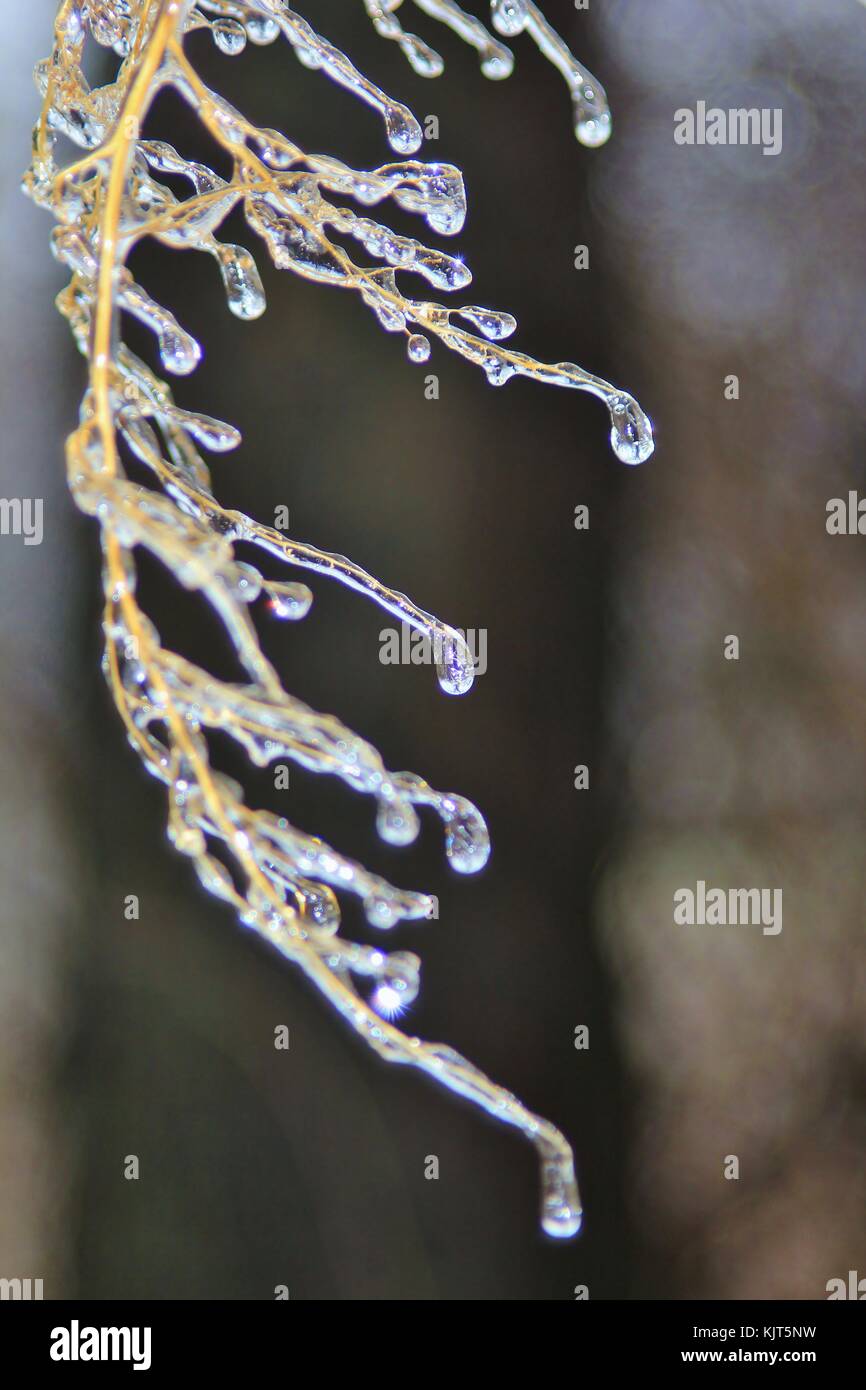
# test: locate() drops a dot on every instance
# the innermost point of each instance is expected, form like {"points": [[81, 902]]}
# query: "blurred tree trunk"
{"points": [[39, 696]]}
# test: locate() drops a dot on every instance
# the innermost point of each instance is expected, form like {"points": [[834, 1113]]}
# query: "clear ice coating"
{"points": [[283, 883]]}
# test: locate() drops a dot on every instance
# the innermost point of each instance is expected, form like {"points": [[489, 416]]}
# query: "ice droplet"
{"points": [[262, 30], [467, 842], [593, 131], [592, 118], [244, 290], [229, 36], [418, 348], [380, 911], [247, 582], [321, 908], [455, 669], [561, 1214], [179, 352], [288, 601], [631, 434], [211, 433], [492, 323], [398, 986], [497, 370], [403, 131], [509, 17], [397, 822]]}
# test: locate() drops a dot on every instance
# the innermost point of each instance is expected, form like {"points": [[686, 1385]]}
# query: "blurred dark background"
{"points": [[155, 1038]]}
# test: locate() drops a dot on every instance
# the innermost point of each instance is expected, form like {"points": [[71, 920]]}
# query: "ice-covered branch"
{"points": [[315, 216]]}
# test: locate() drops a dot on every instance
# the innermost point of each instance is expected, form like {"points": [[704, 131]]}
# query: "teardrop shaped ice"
{"points": [[243, 285], [509, 17], [561, 1214], [418, 348], [229, 36], [397, 822], [492, 323], [455, 669], [179, 352], [631, 434], [467, 841]]}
